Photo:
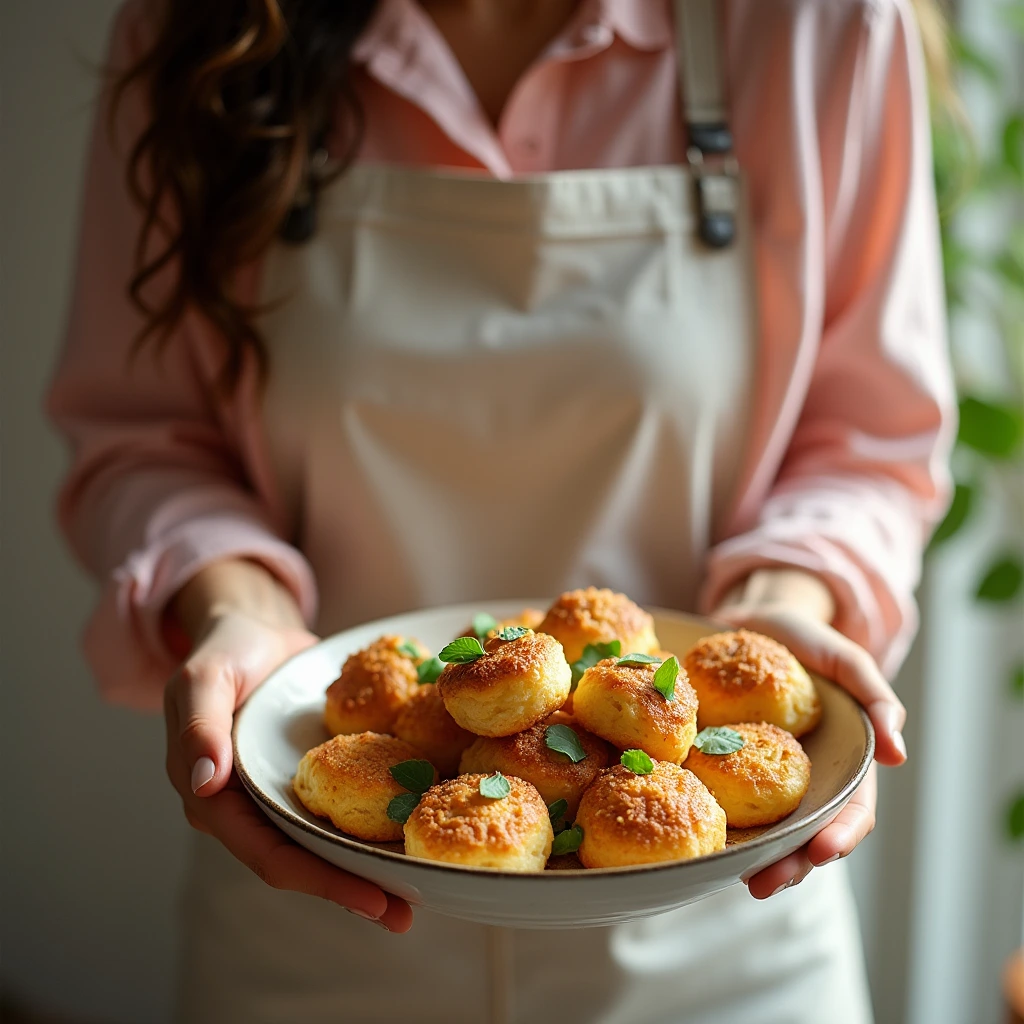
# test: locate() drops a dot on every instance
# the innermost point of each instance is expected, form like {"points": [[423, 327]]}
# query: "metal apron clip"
{"points": [[716, 182]]}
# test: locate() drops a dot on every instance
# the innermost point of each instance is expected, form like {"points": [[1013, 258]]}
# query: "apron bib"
{"points": [[497, 389]]}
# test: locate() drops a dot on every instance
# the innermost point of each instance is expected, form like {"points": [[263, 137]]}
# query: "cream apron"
{"points": [[490, 389]]}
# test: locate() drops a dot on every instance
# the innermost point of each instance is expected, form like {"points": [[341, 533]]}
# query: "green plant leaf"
{"points": [[410, 650], [567, 842], [991, 428], [429, 670], [1009, 265], [1015, 818], [495, 787], [1003, 580], [513, 632], [462, 651], [967, 56], [402, 806], [1013, 15], [416, 776], [592, 654], [1013, 144], [665, 678], [563, 740], [483, 624], [639, 659], [556, 812], [1017, 682], [959, 510], [718, 739], [637, 761]]}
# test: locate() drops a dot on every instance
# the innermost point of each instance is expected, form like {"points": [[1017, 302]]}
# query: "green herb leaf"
{"points": [[410, 650], [959, 510], [484, 624], [592, 654], [513, 632], [1015, 818], [416, 776], [639, 659], [990, 428], [402, 806], [462, 651], [665, 678], [1003, 580], [429, 670], [637, 761], [718, 739], [567, 841], [556, 812], [495, 787], [563, 740]]}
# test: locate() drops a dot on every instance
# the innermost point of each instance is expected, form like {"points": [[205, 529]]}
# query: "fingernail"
{"points": [[202, 771], [897, 739], [831, 860], [785, 885], [363, 914]]}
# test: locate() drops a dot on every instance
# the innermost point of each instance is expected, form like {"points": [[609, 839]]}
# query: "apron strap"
{"points": [[702, 89]]}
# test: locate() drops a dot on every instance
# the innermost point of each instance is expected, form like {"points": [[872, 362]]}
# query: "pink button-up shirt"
{"points": [[852, 418]]}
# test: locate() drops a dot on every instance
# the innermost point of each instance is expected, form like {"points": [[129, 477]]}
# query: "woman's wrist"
{"points": [[792, 589], [235, 586]]}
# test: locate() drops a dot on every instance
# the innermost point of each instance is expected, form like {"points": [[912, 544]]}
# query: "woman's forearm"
{"points": [[791, 588], [236, 586]]}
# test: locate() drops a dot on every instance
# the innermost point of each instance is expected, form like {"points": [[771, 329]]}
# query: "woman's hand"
{"points": [[244, 624], [795, 608]]}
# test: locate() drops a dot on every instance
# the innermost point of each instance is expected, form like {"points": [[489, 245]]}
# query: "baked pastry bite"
{"points": [[618, 700], [664, 814], [481, 821], [348, 780], [424, 721], [759, 783], [374, 683], [743, 676], [592, 616], [484, 626], [536, 755], [505, 686]]}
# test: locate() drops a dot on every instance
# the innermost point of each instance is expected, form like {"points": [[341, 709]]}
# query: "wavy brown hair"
{"points": [[240, 95]]}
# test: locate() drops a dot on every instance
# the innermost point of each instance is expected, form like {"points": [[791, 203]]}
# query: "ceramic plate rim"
{"points": [[356, 846]]}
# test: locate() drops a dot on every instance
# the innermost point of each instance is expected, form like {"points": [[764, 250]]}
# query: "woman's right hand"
{"points": [[236, 646]]}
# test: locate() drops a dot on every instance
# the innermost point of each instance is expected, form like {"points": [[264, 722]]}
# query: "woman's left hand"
{"points": [[794, 608]]}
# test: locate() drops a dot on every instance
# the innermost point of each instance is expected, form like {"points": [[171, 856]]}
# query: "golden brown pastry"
{"points": [[454, 822], [348, 780], [761, 782], [620, 704], [642, 819], [527, 755], [511, 687], [528, 617], [424, 721], [746, 677], [373, 685], [590, 616]]}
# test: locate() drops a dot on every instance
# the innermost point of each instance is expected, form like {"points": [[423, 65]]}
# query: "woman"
{"points": [[426, 309]]}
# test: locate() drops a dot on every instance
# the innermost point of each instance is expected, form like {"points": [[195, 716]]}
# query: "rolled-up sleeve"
{"points": [[865, 475], [160, 483]]}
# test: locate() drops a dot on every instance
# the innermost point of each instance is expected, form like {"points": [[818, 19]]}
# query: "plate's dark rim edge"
{"points": [[356, 846]]}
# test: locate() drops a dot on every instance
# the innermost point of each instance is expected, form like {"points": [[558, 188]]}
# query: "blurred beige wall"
{"points": [[92, 838]]}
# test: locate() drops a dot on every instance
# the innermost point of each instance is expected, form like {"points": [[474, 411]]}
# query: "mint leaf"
{"points": [[416, 776], [665, 678], [495, 787], [462, 651], [409, 649], [718, 739], [592, 654], [429, 670], [567, 841], [639, 659], [483, 624], [563, 740], [513, 632], [402, 806], [556, 812], [637, 761]]}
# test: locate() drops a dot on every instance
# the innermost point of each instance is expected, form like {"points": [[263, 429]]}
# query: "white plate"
{"points": [[282, 720]]}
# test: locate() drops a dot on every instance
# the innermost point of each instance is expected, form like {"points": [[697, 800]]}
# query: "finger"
{"points": [[783, 874], [850, 826], [203, 696], [237, 822], [398, 917]]}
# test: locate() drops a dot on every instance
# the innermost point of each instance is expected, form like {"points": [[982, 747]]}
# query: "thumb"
{"points": [[203, 696]]}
